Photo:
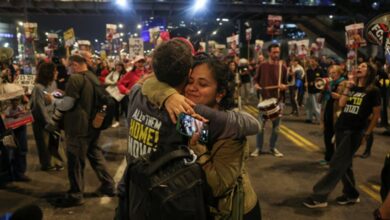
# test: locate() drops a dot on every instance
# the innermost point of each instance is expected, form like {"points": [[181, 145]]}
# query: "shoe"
{"points": [[324, 162], [49, 168], [59, 168], [365, 155], [344, 200], [255, 153], [308, 121], [116, 124], [22, 178], [310, 203], [108, 191], [68, 201], [276, 153]]}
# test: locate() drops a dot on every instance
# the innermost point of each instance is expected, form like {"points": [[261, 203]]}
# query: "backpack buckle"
{"points": [[190, 161]]}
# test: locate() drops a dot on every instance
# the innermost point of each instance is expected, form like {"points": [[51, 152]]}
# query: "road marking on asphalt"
{"points": [[299, 137], [376, 187], [370, 192], [291, 135], [118, 175], [301, 142]]}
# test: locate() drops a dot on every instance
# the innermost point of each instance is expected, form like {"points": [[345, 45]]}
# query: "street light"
{"points": [[139, 26], [20, 23], [120, 26]]}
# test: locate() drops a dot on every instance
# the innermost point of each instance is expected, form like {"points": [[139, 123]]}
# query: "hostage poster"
{"points": [[274, 25]]}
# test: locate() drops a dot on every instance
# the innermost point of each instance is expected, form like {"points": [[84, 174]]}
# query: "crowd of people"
{"points": [[152, 91]]}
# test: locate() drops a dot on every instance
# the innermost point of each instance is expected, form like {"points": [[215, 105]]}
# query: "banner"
{"points": [[259, 46], [376, 27], [69, 37], [274, 23], [233, 44], [30, 31], [354, 34], [27, 81], [136, 47], [110, 31], [248, 34]]}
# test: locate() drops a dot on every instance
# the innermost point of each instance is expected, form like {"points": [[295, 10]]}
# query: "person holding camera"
{"points": [[51, 155], [359, 100]]}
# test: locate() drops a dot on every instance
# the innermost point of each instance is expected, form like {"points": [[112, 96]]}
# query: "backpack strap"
{"points": [[155, 165]]}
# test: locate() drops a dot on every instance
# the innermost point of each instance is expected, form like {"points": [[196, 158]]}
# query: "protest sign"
{"points": [[136, 47]]}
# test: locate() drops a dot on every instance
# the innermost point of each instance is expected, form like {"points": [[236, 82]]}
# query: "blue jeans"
{"points": [[274, 135], [312, 107]]}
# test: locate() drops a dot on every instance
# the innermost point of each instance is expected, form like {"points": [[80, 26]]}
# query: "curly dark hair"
{"points": [[45, 73], [171, 62], [219, 71]]}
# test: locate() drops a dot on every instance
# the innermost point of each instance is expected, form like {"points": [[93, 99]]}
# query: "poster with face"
{"points": [[212, 46], [84, 45], [259, 46], [136, 47], [293, 48], [110, 31], [30, 31], [274, 23], [248, 34], [202, 47], [354, 35], [52, 39], [233, 44], [154, 34], [303, 48]]}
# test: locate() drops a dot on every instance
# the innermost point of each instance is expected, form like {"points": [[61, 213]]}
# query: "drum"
{"points": [[269, 108]]}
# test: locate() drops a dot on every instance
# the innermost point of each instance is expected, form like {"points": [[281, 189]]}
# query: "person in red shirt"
{"points": [[129, 79]]}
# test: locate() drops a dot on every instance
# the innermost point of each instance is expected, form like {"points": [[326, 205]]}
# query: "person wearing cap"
{"points": [[129, 79]]}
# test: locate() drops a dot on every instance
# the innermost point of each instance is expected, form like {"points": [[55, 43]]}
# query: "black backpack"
{"points": [[102, 99], [172, 187]]}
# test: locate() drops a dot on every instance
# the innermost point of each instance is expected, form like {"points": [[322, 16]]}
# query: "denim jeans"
{"points": [[312, 107], [274, 135], [340, 167]]}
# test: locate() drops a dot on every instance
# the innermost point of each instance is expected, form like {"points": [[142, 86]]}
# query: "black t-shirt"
{"points": [[312, 75], [354, 115]]}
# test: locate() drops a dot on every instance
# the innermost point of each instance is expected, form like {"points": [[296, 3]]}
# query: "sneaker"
{"points": [[49, 168], [310, 203], [59, 168], [116, 124], [324, 162], [344, 200], [255, 153], [276, 153]]}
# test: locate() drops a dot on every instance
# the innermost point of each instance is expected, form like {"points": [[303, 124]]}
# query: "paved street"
{"points": [[280, 183]]}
